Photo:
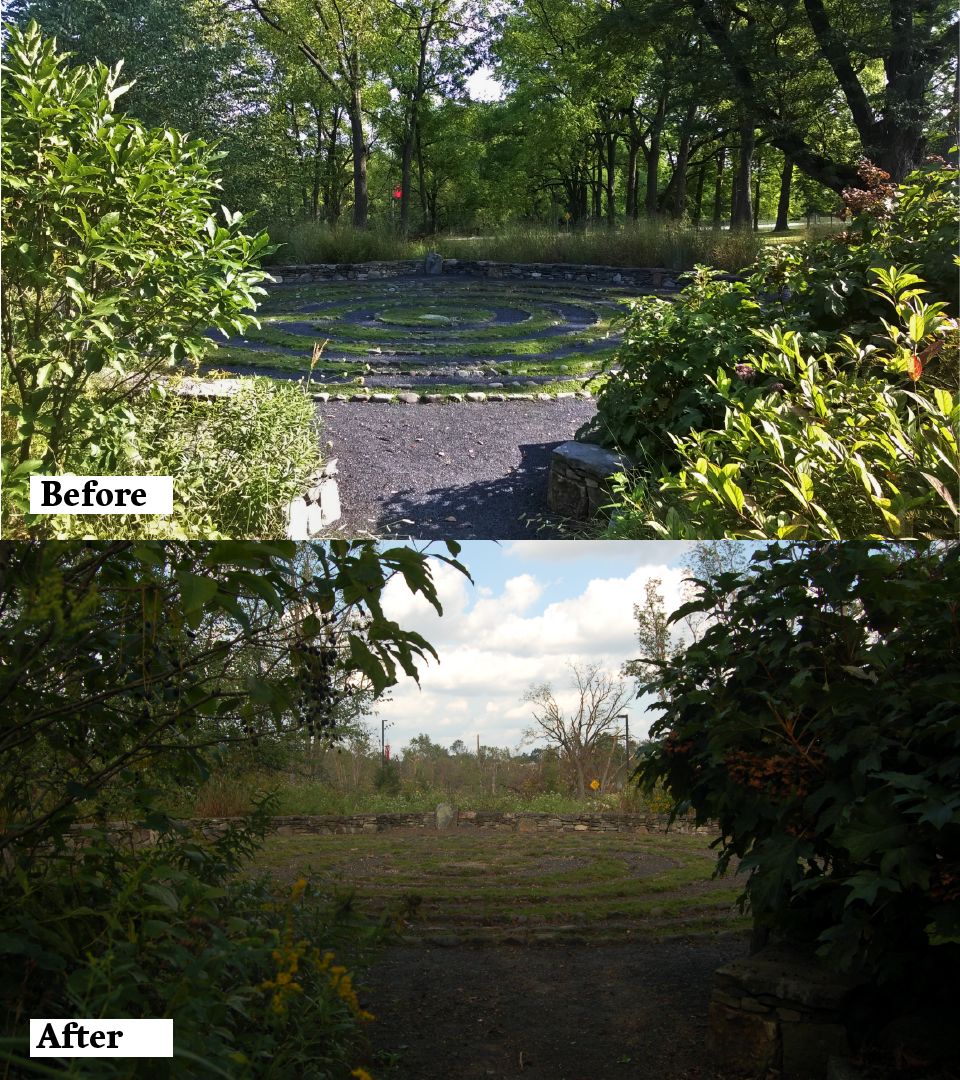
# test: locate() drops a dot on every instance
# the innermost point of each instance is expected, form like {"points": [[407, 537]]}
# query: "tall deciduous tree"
{"points": [[342, 41], [598, 700]]}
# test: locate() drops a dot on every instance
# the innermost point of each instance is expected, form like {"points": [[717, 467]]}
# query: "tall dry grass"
{"points": [[644, 243]]}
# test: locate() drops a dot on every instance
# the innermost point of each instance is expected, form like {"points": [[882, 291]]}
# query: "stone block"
{"points": [[447, 941], [749, 1004], [788, 972], [446, 816], [409, 399], [566, 496], [296, 523], [527, 825], [476, 396], [726, 999], [433, 264], [741, 1040], [808, 1047]]}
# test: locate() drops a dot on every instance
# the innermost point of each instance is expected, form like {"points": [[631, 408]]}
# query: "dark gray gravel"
{"points": [[632, 1012], [483, 464]]}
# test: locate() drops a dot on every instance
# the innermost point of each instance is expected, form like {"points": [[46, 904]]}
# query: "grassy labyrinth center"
{"points": [[512, 889], [429, 335]]}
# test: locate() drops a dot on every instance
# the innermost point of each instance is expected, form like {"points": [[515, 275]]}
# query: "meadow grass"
{"points": [[642, 243], [229, 796]]}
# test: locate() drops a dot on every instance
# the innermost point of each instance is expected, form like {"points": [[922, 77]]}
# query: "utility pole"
{"points": [[626, 718]]}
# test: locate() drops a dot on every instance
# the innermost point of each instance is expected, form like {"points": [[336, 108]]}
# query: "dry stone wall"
{"points": [[650, 277], [779, 1010], [447, 818]]}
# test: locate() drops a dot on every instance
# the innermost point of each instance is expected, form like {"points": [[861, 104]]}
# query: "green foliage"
{"points": [[653, 243], [839, 449], [169, 651], [238, 461], [818, 720], [114, 265], [668, 350], [256, 983], [910, 224], [125, 664], [674, 353]]}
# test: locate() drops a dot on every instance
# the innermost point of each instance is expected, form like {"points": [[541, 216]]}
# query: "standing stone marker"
{"points": [[446, 816], [433, 263]]}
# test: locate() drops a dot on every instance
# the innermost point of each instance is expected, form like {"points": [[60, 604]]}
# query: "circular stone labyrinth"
{"points": [[423, 334], [441, 399]]}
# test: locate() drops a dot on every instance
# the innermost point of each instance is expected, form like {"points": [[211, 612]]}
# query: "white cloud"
{"points": [[490, 653], [554, 551]]}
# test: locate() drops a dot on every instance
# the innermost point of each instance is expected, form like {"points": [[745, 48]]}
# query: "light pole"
{"points": [[626, 718]]}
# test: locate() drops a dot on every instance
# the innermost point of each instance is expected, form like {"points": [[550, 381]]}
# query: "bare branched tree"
{"points": [[600, 699]]}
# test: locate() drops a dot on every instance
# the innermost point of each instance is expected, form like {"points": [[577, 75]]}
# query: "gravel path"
{"points": [[409, 469], [618, 1012]]}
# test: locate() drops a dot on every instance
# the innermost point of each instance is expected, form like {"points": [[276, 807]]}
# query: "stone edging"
{"points": [[476, 397], [473, 820], [651, 277]]}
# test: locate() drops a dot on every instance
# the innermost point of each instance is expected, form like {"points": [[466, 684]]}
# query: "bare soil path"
{"points": [[633, 1011]]}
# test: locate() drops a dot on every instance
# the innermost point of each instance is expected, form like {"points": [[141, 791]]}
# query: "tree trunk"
{"points": [[741, 212], [783, 206], [423, 189], [406, 170], [578, 770], [611, 179], [683, 158], [360, 198], [759, 938], [756, 205], [631, 208], [718, 189], [653, 155], [698, 198]]}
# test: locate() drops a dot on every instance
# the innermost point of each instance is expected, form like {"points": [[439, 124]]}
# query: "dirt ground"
{"points": [[616, 1012]]}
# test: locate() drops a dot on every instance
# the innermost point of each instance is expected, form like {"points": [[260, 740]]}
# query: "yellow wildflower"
{"points": [[361, 1074]]}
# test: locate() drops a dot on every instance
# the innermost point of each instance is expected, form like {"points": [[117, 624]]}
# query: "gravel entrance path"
{"points": [[619, 1012], [446, 471]]}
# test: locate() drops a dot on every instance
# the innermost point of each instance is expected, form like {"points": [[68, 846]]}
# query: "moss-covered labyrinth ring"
{"points": [[427, 333]]}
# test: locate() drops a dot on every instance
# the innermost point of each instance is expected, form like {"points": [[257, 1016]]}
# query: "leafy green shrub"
{"points": [[671, 350], [910, 224], [113, 264], [238, 461], [668, 351], [258, 984], [831, 453], [121, 661], [818, 721]]}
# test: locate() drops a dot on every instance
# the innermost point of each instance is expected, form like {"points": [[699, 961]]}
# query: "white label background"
{"points": [[158, 492], [141, 1038]]}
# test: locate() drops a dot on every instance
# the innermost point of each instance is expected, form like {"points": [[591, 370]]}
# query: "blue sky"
{"points": [[534, 606]]}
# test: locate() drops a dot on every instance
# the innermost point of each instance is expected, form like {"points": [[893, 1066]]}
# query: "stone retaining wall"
{"points": [[451, 818], [779, 1010], [651, 277]]}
